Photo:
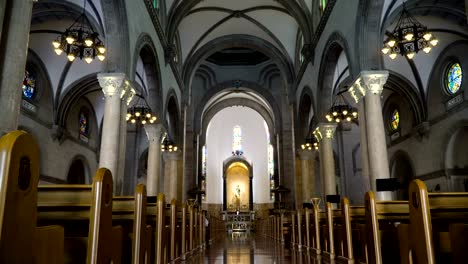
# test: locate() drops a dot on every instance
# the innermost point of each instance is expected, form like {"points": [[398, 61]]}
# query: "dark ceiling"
{"points": [[237, 57]]}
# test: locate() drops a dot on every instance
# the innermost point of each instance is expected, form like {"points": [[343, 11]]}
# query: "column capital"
{"points": [[373, 81], [306, 154], [112, 83], [153, 132], [325, 130], [128, 92], [173, 155]]}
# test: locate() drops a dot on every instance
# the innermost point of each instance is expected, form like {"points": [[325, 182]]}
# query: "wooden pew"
{"points": [[84, 211], [351, 218], [438, 226], [381, 218], [21, 241]]}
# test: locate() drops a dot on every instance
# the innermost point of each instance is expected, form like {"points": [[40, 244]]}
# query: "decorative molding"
{"points": [[374, 81], [111, 83]]}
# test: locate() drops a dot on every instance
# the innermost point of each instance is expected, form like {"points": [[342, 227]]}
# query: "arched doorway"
{"points": [[237, 187], [402, 170], [77, 172]]}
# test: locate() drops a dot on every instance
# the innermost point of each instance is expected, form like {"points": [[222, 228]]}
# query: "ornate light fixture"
{"points": [[168, 145], [341, 111], [140, 113], [80, 40], [310, 143], [408, 37]]}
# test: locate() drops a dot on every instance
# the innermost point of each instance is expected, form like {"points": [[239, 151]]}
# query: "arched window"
{"points": [[155, 4], [203, 181], [84, 123], [271, 170], [323, 5], [453, 78], [395, 120], [29, 85], [237, 140]]}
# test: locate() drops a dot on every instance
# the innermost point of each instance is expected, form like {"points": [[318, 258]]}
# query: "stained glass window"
{"points": [[84, 123], [395, 120], [29, 85], [155, 4], [237, 139], [453, 78], [323, 5]]}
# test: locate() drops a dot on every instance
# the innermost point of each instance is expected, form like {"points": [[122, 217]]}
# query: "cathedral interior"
{"points": [[246, 110]]}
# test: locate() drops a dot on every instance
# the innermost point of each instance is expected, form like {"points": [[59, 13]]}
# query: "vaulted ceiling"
{"points": [[199, 22]]}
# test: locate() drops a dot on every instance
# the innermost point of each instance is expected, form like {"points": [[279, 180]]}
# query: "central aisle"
{"points": [[243, 248]]}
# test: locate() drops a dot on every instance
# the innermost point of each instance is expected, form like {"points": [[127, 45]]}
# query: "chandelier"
{"points": [[168, 145], [310, 143], [341, 111], [80, 40], [408, 37], [140, 113]]}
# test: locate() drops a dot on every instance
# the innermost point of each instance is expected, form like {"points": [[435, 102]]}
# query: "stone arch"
{"points": [[336, 44], [146, 50], [172, 117], [305, 111], [399, 84], [193, 62], [78, 172], [401, 168], [77, 90], [454, 158], [249, 86], [213, 110]]}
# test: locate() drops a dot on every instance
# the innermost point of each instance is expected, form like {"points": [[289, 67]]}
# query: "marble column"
{"points": [[154, 132], [308, 174], [372, 83], [15, 22], [324, 134], [113, 86], [358, 93], [126, 100], [171, 174]]}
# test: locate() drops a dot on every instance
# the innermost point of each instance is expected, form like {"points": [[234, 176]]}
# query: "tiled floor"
{"points": [[242, 248]]}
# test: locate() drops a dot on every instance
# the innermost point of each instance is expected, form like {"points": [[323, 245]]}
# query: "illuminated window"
{"points": [[323, 5], [155, 4], [84, 123], [237, 140], [29, 85], [271, 170], [395, 120], [453, 78], [203, 181]]}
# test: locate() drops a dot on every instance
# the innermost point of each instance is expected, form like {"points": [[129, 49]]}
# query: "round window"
{"points": [[453, 78]]}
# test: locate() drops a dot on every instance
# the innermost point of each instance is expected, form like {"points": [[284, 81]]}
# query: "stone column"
{"points": [[15, 23], [153, 131], [126, 100], [324, 134], [358, 93], [113, 86], [308, 174], [171, 173], [372, 83]]}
